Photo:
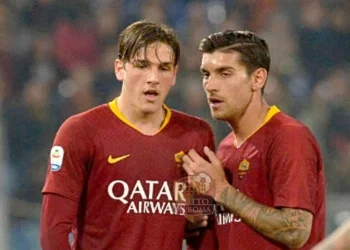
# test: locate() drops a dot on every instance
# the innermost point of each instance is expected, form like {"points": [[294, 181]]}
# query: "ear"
{"points": [[175, 74], [259, 78], [119, 69]]}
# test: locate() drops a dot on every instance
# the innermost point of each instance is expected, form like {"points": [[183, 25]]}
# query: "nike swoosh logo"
{"points": [[112, 160]]}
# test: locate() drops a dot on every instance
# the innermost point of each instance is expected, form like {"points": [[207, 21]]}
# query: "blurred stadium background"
{"points": [[57, 60]]}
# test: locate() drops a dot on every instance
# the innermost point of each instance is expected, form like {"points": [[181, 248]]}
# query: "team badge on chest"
{"points": [[178, 158], [243, 168]]}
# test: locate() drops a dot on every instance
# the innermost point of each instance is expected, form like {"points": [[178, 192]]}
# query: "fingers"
{"points": [[197, 225], [193, 226], [211, 156], [186, 164], [197, 221], [186, 159], [194, 156], [193, 229], [202, 222], [193, 162], [187, 168]]}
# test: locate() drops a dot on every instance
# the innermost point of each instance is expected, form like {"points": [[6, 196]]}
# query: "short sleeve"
{"points": [[69, 160], [293, 162]]}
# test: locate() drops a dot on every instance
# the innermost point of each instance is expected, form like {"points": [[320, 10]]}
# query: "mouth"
{"points": [[214, 102], [151, 94]]}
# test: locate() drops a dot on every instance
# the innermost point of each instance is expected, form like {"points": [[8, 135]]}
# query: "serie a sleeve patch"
{"points": [[56, 158]]}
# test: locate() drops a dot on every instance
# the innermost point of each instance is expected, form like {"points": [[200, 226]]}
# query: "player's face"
{"points": [[227, 85], [148, 77]]}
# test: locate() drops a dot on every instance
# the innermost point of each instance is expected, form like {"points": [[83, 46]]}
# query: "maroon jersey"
{"points": [[280, 165], [123, 179]]}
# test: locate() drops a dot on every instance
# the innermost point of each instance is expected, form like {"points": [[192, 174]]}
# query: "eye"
{"points": [[165, 68], [140, 65], [205, 75], [225, 74]]}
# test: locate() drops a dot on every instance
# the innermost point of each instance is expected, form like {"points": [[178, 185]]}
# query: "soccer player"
{"points": [[112, 168], [273, 193], [338, 240]]}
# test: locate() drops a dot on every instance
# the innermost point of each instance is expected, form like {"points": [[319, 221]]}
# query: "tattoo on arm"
{"points": [[288, 226]]}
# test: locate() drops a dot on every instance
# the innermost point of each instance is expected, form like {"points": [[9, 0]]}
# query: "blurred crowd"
{"points": [[57, 56]]}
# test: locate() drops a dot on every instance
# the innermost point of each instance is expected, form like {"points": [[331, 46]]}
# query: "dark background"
{"points": [[56, 59]]}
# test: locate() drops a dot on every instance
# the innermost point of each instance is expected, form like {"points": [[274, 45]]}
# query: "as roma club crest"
{"points": [[178, 158], [243, 168]]}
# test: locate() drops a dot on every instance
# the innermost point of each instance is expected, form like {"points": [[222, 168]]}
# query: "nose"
{"points": [[153, 75], [209, 84]]}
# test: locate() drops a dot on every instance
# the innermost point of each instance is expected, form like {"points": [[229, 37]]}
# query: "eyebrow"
{"points": [[140, 61], [167, 64], [145, 61], [219, 70], [203, 70]]}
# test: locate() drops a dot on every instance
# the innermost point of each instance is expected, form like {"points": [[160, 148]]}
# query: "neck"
{"points": [[250, 120], [148, 123]]}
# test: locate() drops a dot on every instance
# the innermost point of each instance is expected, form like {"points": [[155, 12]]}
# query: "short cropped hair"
{"points": [[142, 34], [254, 50]]}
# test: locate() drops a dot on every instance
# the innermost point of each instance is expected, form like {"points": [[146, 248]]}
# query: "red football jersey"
{"points": [[123, 179], [280, 165]]}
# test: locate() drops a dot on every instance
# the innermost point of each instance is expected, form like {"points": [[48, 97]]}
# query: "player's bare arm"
{"points": [[338, 240], [288, 226]]}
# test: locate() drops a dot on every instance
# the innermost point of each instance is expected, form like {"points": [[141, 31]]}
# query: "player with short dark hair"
{"points": [[273, 193], [112, 168]]}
